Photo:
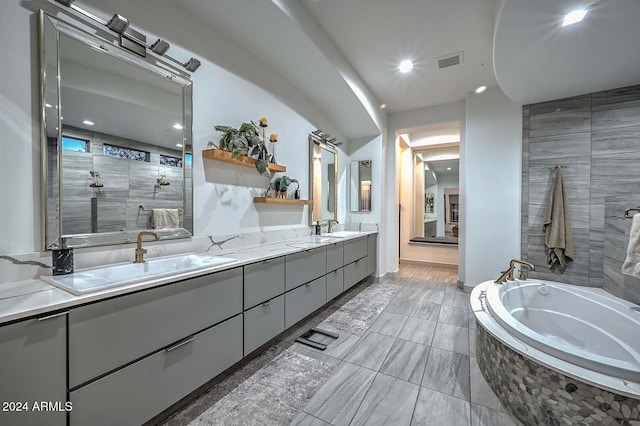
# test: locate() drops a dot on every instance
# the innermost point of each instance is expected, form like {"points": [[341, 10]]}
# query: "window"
{"points": [[166, 160], [126, 153], [74, 144]]}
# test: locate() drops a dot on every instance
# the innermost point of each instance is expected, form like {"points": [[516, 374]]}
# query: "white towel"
{"points": [[165, 218], [631, 265]]}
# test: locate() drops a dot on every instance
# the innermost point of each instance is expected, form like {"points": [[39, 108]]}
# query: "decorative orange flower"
{"points": [[273, 137], [263, 122]]}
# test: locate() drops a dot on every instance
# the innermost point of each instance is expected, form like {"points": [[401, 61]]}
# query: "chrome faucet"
{"points": [[329, 227], [140, 252], [508, 274]]}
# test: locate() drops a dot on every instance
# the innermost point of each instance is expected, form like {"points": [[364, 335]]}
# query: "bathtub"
{"points": [[556, 353]]}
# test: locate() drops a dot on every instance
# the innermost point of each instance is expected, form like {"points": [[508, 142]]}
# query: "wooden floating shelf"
{"points": [[272, 200], [242, 160]]}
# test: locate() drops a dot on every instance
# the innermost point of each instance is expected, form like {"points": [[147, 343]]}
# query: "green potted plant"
{"points": [[245, 140]]}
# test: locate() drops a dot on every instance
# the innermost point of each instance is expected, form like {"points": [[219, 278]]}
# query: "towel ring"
{"points": [[634, 209]]}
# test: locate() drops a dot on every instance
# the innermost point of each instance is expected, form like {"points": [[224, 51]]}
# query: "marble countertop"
{"points": [[34, 297]]}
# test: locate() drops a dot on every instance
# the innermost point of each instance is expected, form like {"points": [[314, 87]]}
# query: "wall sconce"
{"points": [[118, 24], [159, 47], [96, 179], [131, 39], [162, 181]]}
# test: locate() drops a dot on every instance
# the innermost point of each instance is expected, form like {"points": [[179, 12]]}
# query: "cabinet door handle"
{"points": [[184, 342], [59, 314], [267, 261], [267, 303], [308, 285]]}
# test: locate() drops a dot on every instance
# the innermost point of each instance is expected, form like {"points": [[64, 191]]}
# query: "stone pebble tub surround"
{"points": [[537, 395]]}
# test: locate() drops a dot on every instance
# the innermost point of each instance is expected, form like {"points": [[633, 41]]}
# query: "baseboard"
{"points": [[423, 263]]}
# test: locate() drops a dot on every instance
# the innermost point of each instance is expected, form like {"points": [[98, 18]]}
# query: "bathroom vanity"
{"points": [[124, 355]]}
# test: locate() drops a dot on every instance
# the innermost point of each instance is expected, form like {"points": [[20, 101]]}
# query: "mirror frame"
{"points": [[350, 181], [103, 41], [314, 141]]}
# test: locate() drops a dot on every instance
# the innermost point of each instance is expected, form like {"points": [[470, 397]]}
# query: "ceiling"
{"points": [[341, 56]]}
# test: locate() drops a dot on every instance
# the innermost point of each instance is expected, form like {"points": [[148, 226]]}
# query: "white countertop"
{"points": [[34, 297]]}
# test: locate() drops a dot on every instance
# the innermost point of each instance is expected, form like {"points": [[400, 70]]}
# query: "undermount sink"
{"points": [[342, 234], [100, 278], [310, 244]]}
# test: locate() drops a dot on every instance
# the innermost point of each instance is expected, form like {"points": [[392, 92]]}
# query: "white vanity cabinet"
{"points": [[263, 281], [356, 264], [33, 369], [372, 253], [335, 283], [262, 323], [305, 299]]}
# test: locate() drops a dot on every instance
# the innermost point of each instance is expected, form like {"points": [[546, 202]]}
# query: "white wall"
{"points": [[223, 193], [490, 187]]}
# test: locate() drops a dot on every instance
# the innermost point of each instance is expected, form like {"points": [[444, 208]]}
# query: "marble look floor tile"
{"points": [[481, 392], [338, 400], [426, 310], [447, 372], [472, 343], [401, 305], [388, 323], [418, 330], [304, 419], [371, 350], [451, 338], [406, 360], [483, 416], [389, 401], [434, 296], [454, 316], [410, 293], [435, 408]]}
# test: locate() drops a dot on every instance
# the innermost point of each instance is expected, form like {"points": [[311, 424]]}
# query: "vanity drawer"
{"points": [[355, 249], [335, 256], [335, 283], [263, 281], [303, 300], [305, 266], [140, 391], [105, 335], [262, 323], [355, 272], [372, 253], [34, 369]]}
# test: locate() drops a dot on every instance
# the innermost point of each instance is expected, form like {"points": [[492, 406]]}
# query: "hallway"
{"points": [[405, 356]]}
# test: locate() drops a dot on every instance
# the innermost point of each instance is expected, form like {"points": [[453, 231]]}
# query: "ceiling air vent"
{"points": [[449, 60]]}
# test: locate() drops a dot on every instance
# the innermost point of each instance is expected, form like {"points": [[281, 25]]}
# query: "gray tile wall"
{"points": [[597, 139], [127, 185]]}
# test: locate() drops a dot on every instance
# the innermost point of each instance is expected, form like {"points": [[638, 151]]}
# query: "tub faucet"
{"points": [[140, 252], [506, 275], [523, 271]]}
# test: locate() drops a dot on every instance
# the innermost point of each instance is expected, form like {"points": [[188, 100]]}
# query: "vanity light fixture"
{"points": [[405, 66], [160, 47], [481, 89], [574, 17], [177, 126], [118, 24], [88, 122], [133, 40]]}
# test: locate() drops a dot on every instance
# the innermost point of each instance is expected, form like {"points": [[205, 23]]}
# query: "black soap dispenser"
{"points": [[62, 260], [318, 228]]}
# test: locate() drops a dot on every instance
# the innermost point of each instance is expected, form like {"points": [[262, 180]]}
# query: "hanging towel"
{"points": [[165, 218], [631, 265], [557, 222]]}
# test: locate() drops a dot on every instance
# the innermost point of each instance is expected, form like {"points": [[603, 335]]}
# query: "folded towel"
{"points": [[631, 265], [557, 222], [165, 218]]}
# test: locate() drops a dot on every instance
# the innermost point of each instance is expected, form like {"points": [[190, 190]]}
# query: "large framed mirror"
{"points": [[360, 186], [323, 181], [116, 140], [436, 194]]}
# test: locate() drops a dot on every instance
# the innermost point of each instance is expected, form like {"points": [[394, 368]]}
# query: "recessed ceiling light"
{"points": [[48, 105], [179, 145], [574, 17], [178, 126], [405, 66], [383, 106], [448, 168], [88, 122], [481, 89]]}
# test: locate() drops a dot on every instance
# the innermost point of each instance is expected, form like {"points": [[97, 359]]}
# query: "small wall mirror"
{"points": [[116, 138], [360, 186], [436, 191], [323, 181]]}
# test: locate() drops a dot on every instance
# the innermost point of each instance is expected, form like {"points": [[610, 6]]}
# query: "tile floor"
{"points": [[405, 356]]}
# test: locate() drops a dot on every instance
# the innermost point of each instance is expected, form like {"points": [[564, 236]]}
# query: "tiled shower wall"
{"points": [[128, 184], [596, 137]]}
